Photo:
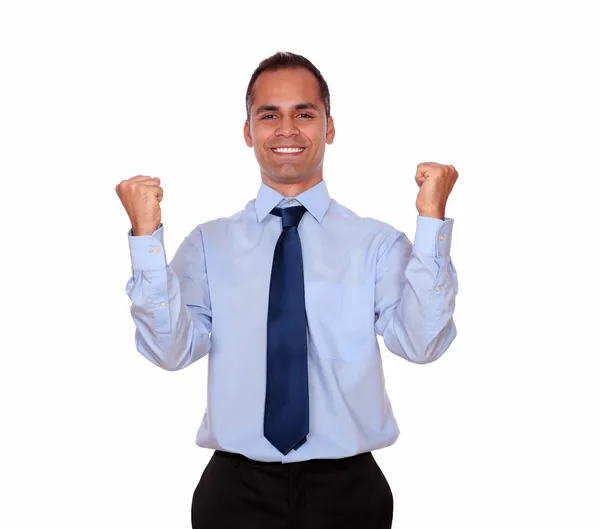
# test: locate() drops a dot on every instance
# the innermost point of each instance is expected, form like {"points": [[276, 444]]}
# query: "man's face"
{"points": [[287, 111]]}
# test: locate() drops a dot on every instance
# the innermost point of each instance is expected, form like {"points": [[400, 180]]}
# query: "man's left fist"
{"points": [[436, 181]]}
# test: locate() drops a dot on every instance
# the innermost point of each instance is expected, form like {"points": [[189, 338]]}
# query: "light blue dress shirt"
{"points": [[363, 278]]}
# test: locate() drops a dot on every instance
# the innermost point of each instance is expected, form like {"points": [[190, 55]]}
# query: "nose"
{"points": [[286, 127]]}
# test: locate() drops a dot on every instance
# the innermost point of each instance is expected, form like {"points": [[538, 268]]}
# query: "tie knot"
{"points": [[290, 216]]}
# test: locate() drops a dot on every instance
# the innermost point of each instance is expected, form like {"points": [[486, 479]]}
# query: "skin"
{"points": [[288, 125], [435, 182]]}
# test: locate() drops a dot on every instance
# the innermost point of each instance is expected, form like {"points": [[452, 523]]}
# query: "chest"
{"points": [[338, 266]]}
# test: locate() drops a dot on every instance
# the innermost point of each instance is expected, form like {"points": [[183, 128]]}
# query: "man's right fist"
{"points": [[140, 196]]}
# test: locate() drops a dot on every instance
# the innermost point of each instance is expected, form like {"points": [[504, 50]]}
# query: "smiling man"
{"points": [[286, 298], [288, 125]]}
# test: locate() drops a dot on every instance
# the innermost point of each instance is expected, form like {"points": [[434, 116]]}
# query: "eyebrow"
{"points": [[300, 106]]}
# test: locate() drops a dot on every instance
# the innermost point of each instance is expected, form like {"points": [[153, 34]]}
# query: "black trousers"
{"points": [[235, 492]]}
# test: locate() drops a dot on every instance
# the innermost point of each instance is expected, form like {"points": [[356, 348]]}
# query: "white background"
{"points": [[501, 432]]}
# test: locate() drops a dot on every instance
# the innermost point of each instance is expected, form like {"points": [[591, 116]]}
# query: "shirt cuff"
{"points": [[147, 251], [433, 236]]}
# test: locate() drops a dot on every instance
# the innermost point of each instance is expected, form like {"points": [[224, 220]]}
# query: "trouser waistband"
{"points": [[243, 458]]}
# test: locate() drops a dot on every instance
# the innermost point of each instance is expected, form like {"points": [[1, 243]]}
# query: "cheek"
{"points": [[258, 134], [317, 134]]}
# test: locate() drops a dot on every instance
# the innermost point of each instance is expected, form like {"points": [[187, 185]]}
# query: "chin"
{"points": [[286, 175]]}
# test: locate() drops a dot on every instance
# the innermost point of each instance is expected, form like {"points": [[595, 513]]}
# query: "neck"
{"points": [[292, 189]]}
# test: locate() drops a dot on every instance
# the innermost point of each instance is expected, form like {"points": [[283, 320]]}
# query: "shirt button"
{"points": [[290, 202], [155, 250], [163, 305], [441, 237], [437, 289]]}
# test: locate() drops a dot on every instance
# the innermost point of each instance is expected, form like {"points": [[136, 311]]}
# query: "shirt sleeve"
{"points": [[415, 291], [170, 302]]}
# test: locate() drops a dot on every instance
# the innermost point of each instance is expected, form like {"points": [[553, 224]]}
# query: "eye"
{"points": [[301, 115]]}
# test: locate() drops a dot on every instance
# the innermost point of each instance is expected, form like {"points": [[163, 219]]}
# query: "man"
{"points": [[286, 298]]}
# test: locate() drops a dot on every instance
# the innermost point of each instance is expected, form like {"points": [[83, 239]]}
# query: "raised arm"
{"points": [[170, 302], [415, 292]]}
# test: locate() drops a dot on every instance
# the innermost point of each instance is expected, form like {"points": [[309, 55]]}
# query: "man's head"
{"points": [[287, 104]]}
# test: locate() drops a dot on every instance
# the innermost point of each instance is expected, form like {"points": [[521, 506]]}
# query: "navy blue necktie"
{"points": [[286, 404]]}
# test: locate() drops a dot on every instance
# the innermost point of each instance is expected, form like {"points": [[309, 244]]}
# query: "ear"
{"points": [[247, 135], [330, 131]]}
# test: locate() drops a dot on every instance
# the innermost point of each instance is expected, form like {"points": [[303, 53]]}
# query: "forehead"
{"points": [[286, 86]]}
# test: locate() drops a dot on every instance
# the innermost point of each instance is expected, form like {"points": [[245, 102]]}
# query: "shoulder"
{"points": [[351, 220], [222, 224]]}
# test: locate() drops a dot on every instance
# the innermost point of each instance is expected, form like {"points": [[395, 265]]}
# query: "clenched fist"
{"points": [[141, 196], [436, 182]]}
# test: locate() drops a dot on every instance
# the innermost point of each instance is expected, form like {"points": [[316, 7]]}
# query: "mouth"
{"points": [[288, 151]]}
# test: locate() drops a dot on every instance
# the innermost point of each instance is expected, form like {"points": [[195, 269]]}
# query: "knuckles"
{"points": [[437, 170]]}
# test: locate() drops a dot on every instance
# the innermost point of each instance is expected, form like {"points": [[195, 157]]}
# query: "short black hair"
{"points": [[286, 59]]}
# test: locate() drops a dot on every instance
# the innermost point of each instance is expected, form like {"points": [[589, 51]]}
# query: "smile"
{"points": [[289, 150]]}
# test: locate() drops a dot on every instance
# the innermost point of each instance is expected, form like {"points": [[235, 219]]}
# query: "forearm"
{"points": [[168, 332], [420, 327]]}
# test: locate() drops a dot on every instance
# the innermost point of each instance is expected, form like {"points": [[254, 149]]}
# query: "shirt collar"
{"points": [[315, 200]]}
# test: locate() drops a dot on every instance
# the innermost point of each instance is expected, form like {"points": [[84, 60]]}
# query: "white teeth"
{"points": [[288, 149]]}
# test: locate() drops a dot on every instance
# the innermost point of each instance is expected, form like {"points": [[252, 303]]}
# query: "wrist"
{"points": [[139, 231], [436, 214]]}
